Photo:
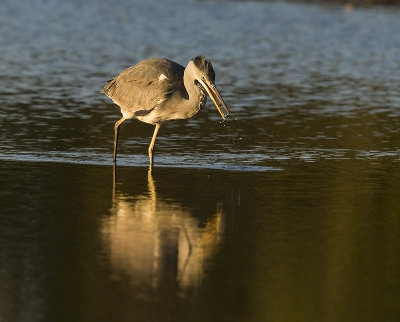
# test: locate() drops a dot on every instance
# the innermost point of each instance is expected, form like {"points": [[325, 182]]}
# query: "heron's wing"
{"points": [[141, 87]]}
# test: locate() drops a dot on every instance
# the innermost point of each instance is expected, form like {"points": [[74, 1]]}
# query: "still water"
{"points": [[288, 211]]}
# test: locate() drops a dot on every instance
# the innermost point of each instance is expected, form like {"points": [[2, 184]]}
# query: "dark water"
{"points": [[288, 211]]}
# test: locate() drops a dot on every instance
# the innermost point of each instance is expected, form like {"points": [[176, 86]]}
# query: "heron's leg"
{"points": [[151, 147], [116, 133]]}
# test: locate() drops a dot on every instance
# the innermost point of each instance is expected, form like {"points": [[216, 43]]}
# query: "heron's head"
{"points": [[204, 76]]}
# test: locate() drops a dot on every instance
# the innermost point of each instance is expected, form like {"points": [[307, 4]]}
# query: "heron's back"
{"points": [[140, 88]]}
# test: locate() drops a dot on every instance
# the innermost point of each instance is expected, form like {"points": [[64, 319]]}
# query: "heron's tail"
{"points": [[110, 84]]}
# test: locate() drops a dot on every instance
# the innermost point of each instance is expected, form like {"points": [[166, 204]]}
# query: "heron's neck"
{"points": [[196, 97]]}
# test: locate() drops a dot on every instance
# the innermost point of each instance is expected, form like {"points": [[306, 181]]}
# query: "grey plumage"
{"points": [[138, 89], [157, 90]]}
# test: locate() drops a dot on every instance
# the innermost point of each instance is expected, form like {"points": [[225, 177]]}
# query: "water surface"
{"points": [[288, 211]]}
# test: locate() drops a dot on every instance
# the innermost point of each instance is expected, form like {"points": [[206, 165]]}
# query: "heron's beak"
{"points": [[216, 98]]}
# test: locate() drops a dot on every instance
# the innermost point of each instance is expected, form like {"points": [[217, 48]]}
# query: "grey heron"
{"points": [[157, 90]]}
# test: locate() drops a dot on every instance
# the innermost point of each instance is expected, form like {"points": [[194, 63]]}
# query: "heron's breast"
{"points": [[158, 114]]}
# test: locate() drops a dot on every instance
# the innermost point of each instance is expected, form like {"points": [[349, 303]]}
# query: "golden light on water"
{"points": [[151, 240]]}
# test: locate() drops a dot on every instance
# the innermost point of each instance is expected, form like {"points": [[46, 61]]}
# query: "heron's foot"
{"points": [[151, 147]]}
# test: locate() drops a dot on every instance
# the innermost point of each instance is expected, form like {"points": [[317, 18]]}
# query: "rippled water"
{"points": [[286, 211], [300, 80]]}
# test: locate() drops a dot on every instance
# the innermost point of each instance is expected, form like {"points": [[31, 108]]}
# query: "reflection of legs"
{"points": [[116, 133], [151, 147], [114, 186], [151, 186]]}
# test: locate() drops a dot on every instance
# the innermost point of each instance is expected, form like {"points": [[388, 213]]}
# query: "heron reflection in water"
{"points": [[157, 242], [157, 90]]}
